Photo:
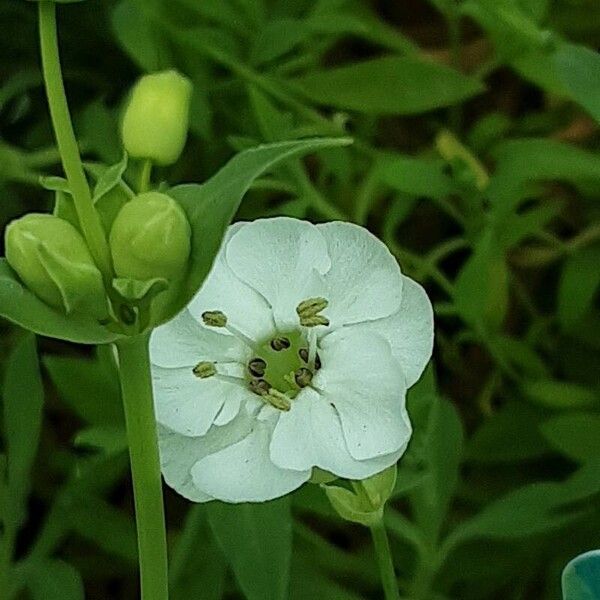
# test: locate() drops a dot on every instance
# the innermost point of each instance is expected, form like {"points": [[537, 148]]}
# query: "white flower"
{"points": [[296, 353]]}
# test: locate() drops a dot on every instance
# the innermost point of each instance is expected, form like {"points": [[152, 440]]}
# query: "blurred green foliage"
{"points": [[476, 159]]}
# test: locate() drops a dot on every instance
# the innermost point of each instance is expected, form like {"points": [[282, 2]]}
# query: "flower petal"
{"points": [[179, 453], [282, 259], [223, 290], [184, 342], [310, 435], [409, 331], [365, 383], [243, 472], [364, 282], [189, 405]]}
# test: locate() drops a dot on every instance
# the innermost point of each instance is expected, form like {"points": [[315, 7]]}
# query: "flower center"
{"points": [[280, 366], [282, 362]]}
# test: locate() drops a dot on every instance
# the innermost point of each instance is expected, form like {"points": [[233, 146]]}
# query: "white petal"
{"points": [[364, 282], [189, 405], [310, 435], [179, 453], [409, 331], [243, 472], [282, 259], [365, 383], [184, 342], [223, 290]]}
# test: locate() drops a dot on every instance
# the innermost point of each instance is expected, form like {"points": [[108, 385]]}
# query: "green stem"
{"points": [[89, 219], [145, 176], [136, 387], [384, 559]]}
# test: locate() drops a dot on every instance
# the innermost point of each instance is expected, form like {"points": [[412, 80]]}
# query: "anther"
{"points": [[257, 367], [303, 353], [217, 318], [303, 377], [280, 343], [308, 311], [214, 318], [260, 387], [204, 369], [278, 399]]}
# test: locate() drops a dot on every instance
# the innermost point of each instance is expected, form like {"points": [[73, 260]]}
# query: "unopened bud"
{"points": [[52, 259], [156, 120], [150, 238]]}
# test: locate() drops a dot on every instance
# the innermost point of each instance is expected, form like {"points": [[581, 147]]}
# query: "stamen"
{"points": [[257, 367], [278, 400], [303, 377], [308, 311], [280, 343], [260, 387], [204, 370], [312, 349], [303, 353], [216, 318]]}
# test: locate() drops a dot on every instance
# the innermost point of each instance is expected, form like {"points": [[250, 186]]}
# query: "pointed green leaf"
{"points": [[19, 305], [400, 85], [54, 580], [23, 401], [210, 207], [257, 541]]}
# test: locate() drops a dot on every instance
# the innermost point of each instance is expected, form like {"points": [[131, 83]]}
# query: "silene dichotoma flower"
{"points": [[295, 354]]}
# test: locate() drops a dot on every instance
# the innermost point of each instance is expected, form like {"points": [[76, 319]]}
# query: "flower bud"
{"points": [[150, 238], [52, 259], [156, 119]]}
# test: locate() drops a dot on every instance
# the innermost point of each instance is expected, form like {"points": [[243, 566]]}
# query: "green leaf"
{"points": [[110, 178], [579, 282], [574, 435], [581, 577], [89, 387], [561, 394], [257, 541], [210, 207], [198, 574], [54, 580], [108, 439], [442, 449], [579, 69], [531, 510], [23, 403], [390, 85], [481, 289], [416, 176], [19, 305], [490, 442], [110, 529], [140, 39], [524, 161]]}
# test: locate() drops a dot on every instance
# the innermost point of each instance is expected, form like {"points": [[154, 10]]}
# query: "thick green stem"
{"points": [[136, 387], [384, 559], [89, 219], [145, 176]]}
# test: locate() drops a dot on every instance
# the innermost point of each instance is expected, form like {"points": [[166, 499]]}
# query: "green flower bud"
{"points": [[150, 238], [366, 502], [155, 123], [52, 259]]}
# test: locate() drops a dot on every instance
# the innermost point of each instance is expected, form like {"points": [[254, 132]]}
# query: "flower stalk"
{"points": [[136, 389], [65, 137]]}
